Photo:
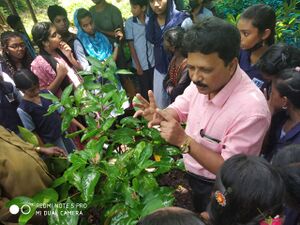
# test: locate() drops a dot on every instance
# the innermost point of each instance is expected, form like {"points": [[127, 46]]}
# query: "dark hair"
{"points": [[40, 33], [252, 190], [7, 35], [213, 35], [25, 79], [82, 13], [8, 65], [171, 216], [139, 2], [287, 161], [174, 36], [278, 57], [263, 17], [13, 20], [56, 10], [288, 85]]}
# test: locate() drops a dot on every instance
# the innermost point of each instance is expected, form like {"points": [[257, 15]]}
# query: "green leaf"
{"points": [[27, 207], [78, 94], [28, 136], [46, 196], [130, 122], [64, 215], [123, 135], [66, 121], [51, 97], [124, 72], [89, 180], [90, 134], [66, 93], [108, 123], [52, 108], [151, 206]]}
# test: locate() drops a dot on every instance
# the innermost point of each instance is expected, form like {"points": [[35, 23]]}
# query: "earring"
{"points": [[284, 107]]}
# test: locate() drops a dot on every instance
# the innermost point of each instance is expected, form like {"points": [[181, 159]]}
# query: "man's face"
{"points": [[61, 23], [87, 25], [137, 10], [209, 72]]}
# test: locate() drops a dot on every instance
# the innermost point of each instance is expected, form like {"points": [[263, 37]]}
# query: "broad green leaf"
{"points": [[123, 135], [64, 215], [66, 93], [51, 97], [78, 94], [67, 118], [90, 134], [151, 206], [89, 180], [124, 72], [130, 122], [28, 136], [108, 123]]}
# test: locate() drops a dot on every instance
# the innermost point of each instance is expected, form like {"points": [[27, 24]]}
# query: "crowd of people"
{"points": [[234, 89]]}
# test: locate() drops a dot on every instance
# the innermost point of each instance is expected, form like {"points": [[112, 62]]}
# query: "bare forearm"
{"points": [[207, 158], [54, 86], [173, 113]]}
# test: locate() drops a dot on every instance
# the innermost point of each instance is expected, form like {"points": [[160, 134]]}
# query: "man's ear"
{"points": [[232, 65], [266, 34]]}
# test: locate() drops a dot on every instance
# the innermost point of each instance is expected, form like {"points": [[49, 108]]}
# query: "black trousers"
{"points": [[146, 82], [201, 191]]}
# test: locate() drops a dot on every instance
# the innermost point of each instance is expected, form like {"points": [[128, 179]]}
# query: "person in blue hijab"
{"points": [[90, 42], [163, 15]]}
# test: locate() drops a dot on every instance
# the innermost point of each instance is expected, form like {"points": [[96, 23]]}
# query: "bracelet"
{"points": [[37, 149], [185, 147]]}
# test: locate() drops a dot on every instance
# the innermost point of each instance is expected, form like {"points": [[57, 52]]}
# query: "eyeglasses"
{"points": [[16, 46]]}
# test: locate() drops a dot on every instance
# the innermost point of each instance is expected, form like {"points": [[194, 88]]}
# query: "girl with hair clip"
{"points": [[55, 66], [287, 162], [15, 55], [285, 105], [177, 78], [248, 191], [162, 16], [257, 29]]}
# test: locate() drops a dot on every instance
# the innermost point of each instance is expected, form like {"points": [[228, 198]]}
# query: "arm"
{"points": [[80, 55], [61, 72], [66, 49], [115, 53], [78, 124], [135, 58]]}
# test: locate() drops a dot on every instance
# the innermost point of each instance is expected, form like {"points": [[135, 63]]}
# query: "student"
{"points": [[177, 78], [16, 24], [90, 42], [248, 190], [141, 50], [10, 99], [15, 54], [108, 20], [59, 17], [278, 57], [284, 103], [33, 108], [287, 161], [221, 107], [162, 16], [257, 28], [171, 216], [197, 12], [55, 66]]}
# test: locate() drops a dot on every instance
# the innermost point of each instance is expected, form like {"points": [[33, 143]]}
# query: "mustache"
{"points": [[199, 84]]}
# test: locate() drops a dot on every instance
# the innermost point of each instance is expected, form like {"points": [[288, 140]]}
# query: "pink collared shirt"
{"points": [[234, 121]]}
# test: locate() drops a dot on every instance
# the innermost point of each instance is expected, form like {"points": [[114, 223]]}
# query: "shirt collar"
{"points": [[222, 96], [292, 133]]}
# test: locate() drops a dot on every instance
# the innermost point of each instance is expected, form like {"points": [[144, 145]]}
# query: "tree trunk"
{"points": [[11, 7], [31, 11]]}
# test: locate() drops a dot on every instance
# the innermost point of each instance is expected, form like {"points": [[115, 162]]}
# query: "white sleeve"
{"points": [[80, 55], [26, 119]]}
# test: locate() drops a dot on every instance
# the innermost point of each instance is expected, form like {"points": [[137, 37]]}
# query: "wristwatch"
{"points": [[185, 147], [37, 149]]}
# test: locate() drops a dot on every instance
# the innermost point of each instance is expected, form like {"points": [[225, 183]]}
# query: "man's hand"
{"points": [[170, 129], [147, 109], [119, 34], [52, 151]]}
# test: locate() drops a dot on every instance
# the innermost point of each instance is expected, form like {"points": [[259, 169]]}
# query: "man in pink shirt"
{"points": [[224, 112]]}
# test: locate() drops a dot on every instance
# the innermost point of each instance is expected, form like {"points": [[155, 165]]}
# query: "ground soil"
{"points": [[177, 180]]}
